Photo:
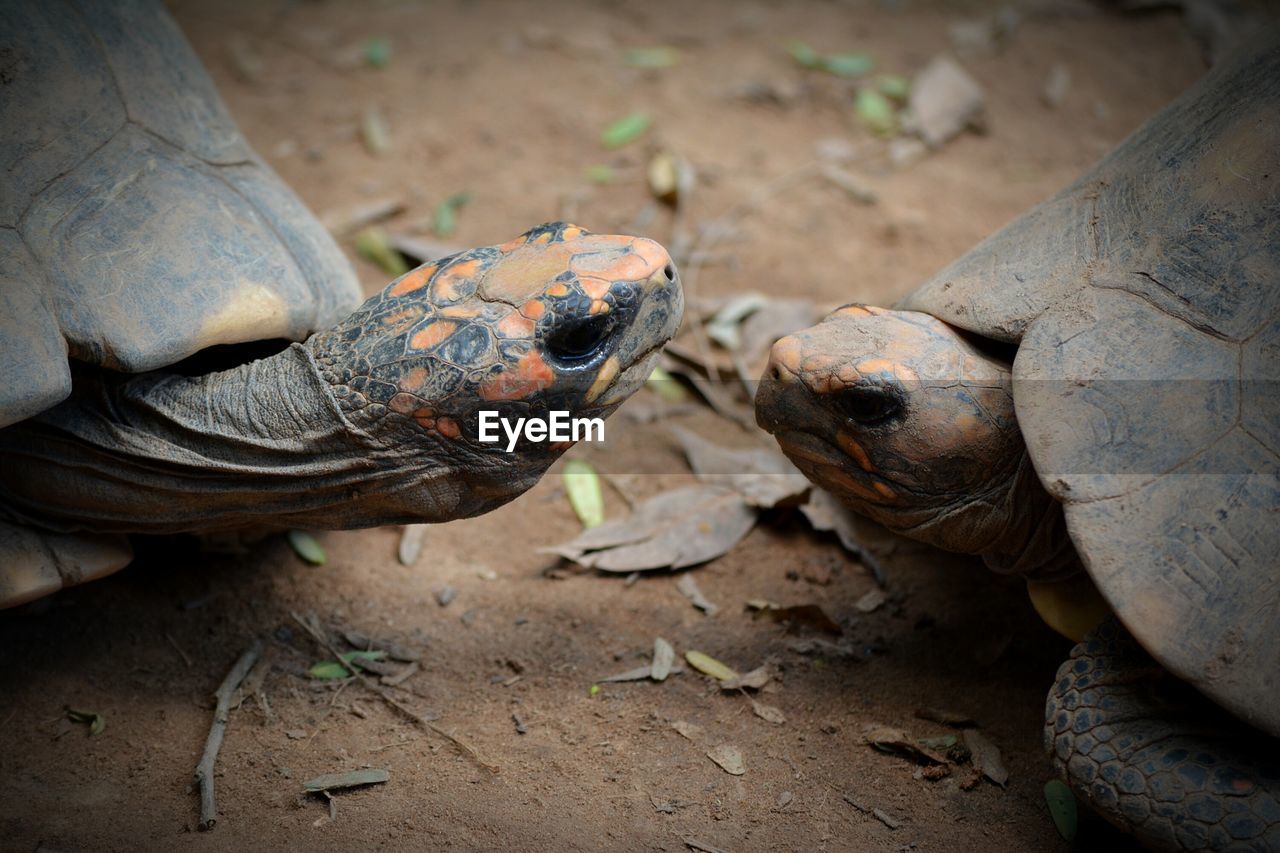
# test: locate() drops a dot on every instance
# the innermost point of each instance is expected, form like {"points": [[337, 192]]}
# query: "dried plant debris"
{"points": [[689, 589], [675, 529], [762, 475], [723, 327], [897, 742], [411, 544], [97, 722], [664, 655], [946, 717], [872, 601], [806, 615], [728, 758], [753, 680], [306, 547], [708, 665], [352, 779], [985, 756], [1062, 808], [768, 713], [944, 101], [582, 485]]}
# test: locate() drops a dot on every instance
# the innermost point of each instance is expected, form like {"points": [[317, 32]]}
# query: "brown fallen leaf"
{"points": [[896, 741], [687, 730], [808, 615], [944, 101], [775, 319], [768, 713], [753, 680], [728, 758], [871, 601], [762, 475], [985, 756], [689, 589], [675, 529]]}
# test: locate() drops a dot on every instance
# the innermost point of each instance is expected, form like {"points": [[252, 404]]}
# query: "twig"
{"points": [[204, 770], [179, 650], [391, 700]]}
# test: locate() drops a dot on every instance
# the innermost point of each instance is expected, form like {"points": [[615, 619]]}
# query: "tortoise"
{"points": [[1088, 399], [148, 258]]}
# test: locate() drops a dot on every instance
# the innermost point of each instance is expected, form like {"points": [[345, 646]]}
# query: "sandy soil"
{"points": [[506, 100]]}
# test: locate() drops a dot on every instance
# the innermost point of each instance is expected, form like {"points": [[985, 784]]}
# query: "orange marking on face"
{"points": [[425, 412], [559, 288], [515, 325], [854, 450], [572, 232], [533, 309], [447, 283], [846, 482], [885, 492], [542, 239], [413, 280], [876, 367], [463, 311], [401, 320], [531, 374], [448, 427], [595, 288], [604, 378], [599, 306], [414, 379], [426, 423], [432, 334], [512, 245], [786, 352]]}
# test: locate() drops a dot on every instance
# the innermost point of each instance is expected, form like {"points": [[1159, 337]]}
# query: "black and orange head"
{"points": [[896, 413], [558, 319]]}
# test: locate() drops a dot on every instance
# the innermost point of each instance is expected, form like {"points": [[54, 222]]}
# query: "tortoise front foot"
{"points": [[33, 565], [1154, 757]]}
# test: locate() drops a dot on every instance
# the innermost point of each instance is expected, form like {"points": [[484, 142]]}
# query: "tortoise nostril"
{"points": [[670, 272], [775, 373]]}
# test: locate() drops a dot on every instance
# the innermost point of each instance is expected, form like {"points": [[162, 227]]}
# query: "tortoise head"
{"points": [[558, 320], [901, 417]]}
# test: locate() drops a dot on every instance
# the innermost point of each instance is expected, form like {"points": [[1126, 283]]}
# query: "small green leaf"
{"points": [[652, 57], [665, 386], [708, 665], [894, 86], [582, 484], [1062, 808], [306, 547], [600, 174], [445, 218], [331, 669], [848, 64], [377, 52], [593, 690], [624, 130], [803, 54], [97, 722], [373, 244], [875, 112]]}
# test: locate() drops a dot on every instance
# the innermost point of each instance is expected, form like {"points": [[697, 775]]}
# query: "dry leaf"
{"points": [[776, 319], [944, 101], [871, 601], [762, 475], [946, 717], [675, 529], [411, 544], [810, 615], [687, 730], [985, 756], [729, 758], [640, 673], [754, 680], [664, 656], [768, 713], [689, 589], [896, 741]]}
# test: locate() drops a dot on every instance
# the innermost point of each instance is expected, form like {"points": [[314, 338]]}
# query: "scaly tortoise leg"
{"points": [[33, 565], [1155, 757]]}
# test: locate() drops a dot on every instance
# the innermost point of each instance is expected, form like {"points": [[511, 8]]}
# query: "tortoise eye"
{"points": [[581, 339], [868, 406]]}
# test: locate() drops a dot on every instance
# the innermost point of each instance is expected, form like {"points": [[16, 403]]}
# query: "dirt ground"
{"points": [[506, 100]]}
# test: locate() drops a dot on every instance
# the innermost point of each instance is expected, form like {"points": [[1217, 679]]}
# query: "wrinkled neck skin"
{"points": [[264, 445]]}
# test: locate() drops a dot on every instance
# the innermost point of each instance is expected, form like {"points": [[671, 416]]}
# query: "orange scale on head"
{"points": [[849, 484], [426, 423], [854, 450], [432, 334], [560, 445], [463, 312], [599, 306], [533, 309], [413, 280], [515, 325], [448, 284], [541, 240], [405, 404], [573, 232], [558, 288], [414, 380], [512, 245], [595, 288], [448, 427], [530, 375]]}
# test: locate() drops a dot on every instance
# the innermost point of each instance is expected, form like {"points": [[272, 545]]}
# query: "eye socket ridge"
{"points": [[869, 405], [581, 339]]}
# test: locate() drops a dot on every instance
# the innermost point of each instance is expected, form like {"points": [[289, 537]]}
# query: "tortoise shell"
{"points": [[137, 226], [1146, 302]]}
